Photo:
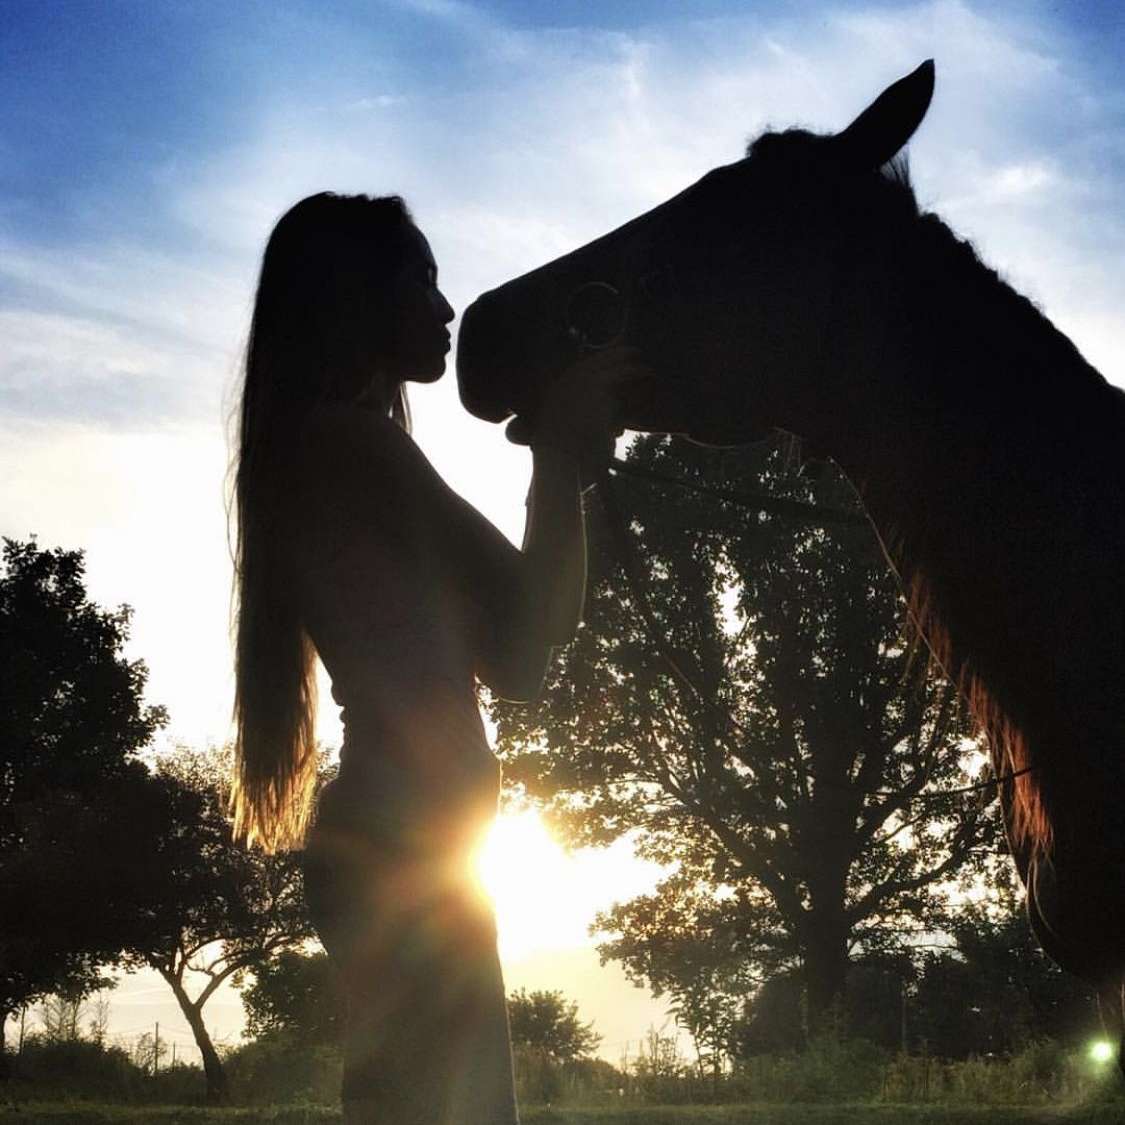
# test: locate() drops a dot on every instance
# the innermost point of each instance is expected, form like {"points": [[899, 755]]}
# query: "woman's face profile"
{"points": [[420, 339]]}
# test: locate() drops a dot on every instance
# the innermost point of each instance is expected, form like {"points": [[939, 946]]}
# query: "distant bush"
{"points": [[281, 1067], [542, 1080], [280, 1070], [77, 1065], [828, 1070], [841, 1070], [1043, 1073], [84, 1068]]}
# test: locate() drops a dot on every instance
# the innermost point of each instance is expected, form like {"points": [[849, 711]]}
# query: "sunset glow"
{"points": [[545, 898]]}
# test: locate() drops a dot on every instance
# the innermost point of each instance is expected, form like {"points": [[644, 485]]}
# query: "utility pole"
{"points": [[156, 1050]]}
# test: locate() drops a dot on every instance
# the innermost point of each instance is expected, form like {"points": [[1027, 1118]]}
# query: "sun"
{"points": [[545, 897], [529, 879]]}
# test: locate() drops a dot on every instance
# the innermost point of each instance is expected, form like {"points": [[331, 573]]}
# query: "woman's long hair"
{"points": [[320, 314]]}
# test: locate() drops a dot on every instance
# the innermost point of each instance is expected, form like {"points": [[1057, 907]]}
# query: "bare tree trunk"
{"points": [[218, 1090], [826, 970]]}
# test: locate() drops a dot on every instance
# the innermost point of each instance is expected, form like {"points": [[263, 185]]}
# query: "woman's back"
{"points": [[385, 599]]}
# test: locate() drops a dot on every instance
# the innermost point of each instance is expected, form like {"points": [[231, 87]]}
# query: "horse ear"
{"points": [[889, 121]]}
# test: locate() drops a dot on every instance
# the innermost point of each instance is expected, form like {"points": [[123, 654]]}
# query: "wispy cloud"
{"points": [[117, 334], [378, 101], [56, 366]]}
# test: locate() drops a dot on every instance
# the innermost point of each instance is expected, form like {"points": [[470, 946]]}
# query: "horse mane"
{"points": [[1029, 822], [1039, 354]]}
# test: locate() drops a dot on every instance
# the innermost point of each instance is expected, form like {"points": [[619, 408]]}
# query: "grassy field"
{"points": [[653, 1115]]}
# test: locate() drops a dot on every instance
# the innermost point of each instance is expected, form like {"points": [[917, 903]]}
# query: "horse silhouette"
{"points": [[801, 288]]}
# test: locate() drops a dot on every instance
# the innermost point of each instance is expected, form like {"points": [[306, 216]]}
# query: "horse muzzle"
{"points": [[483, 392]]}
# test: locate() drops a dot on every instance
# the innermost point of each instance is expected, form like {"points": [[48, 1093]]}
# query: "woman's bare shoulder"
{"points": [[333, 422], [360, 442]]}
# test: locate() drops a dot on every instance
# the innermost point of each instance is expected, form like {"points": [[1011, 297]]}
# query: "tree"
{"points": [[871, 1008], [149, 1053], [780, 745], [226, 907], [708, 980], [72, 723], [995, 991], [547, 1023], [61, 1017], [98, 1024], [772, 1022], [294, 993]]}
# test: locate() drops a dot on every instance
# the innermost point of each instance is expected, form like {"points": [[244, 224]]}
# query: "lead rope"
{"points": [[755, 501]]}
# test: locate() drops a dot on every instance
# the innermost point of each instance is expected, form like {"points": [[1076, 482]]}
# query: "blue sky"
{"points": [[152, 143], [146, 147], [103, 98]]}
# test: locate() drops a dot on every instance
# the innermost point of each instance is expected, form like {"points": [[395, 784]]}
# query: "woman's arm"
{"points": [[554, 543], [533, 601], [541, 606]]}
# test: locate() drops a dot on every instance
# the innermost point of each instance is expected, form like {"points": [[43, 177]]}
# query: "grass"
{"points": [[1111, 1114]]}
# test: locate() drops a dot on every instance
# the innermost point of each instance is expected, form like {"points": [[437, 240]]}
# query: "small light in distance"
{"points": [[1101, 1051]]}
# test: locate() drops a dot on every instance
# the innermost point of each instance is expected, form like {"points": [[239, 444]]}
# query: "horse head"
{"points": [[726, 270]]}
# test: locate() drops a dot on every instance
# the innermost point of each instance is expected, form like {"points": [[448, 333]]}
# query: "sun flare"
{"points": [[545, 898], [529, 879]]}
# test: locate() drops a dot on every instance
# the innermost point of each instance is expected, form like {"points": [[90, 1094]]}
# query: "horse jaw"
{"points": [[672, 406]]}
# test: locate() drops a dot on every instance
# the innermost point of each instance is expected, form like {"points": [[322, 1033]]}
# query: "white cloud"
{"points": [[1022, 179], [379, 101]]}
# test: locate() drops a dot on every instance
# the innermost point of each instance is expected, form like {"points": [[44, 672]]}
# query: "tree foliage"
{"points": [[102, 860], [781, 746], [547, 1023], [293, 993], [995, 992], [73, 876]]}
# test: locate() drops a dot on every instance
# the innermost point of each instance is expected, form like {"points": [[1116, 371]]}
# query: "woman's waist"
{"points": [[396, 797], [415, 730], [439, 750]]}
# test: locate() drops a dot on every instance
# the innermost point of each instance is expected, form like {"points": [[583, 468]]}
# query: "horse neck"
{"points": [[979, 440], [965, 357]]}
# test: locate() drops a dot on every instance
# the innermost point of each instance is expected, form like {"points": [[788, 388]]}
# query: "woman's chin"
{"points": [[430, 374]]}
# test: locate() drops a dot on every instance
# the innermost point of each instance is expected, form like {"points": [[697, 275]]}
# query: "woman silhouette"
{"points": [[350, 547]]}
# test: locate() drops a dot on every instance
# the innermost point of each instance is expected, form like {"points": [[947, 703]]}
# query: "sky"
{"points": [[147, 147]]}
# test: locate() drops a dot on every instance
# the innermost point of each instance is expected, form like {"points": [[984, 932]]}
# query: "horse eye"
{"points": [[595, 315]]}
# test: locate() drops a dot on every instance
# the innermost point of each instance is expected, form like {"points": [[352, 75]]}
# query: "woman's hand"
{"points": [[580, 414]]}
